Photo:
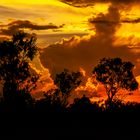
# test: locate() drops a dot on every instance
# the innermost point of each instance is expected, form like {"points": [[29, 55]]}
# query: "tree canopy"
{"points": [[15, 74], [67, 81], [115, 74]]}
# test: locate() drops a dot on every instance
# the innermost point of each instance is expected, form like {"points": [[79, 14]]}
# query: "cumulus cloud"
{"points": [[14, 26], [86, 51]]}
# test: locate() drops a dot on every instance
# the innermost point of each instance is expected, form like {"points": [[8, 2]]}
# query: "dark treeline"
{"points": [[18, 80]]}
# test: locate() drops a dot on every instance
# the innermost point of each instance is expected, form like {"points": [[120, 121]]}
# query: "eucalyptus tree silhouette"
{"points": [[115, 74], [15, 73], [67, 81], [57, 99]]}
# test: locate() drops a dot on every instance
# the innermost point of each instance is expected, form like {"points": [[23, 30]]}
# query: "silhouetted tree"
{"points": [[67, 81], [15, 73], [115, 74], [56, 100]]}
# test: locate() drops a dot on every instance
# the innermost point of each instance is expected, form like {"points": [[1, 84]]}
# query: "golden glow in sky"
{"points": [[58, 23], [54, 11], [50, 11]]}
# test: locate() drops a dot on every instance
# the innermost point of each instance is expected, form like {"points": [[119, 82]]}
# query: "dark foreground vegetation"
{"points": [[53, 115]]}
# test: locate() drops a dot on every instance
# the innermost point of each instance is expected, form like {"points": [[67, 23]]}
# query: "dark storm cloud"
{"points": [[131, 21], [86, 52], [85, 3], [112, 21], [25, 24]]}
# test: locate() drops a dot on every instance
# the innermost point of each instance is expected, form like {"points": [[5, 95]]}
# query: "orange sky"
{"points": [[75, 34]]}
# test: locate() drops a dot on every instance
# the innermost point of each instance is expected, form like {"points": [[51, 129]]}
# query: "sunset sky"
{"points": [[76, 34]]}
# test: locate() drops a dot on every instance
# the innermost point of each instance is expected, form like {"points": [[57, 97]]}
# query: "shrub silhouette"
{"points": [[84, 105], [15, 74], [115, 74], [51, 102]]}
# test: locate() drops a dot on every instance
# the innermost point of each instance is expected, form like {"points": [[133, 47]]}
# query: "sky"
{"points": [[76, 34]]}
